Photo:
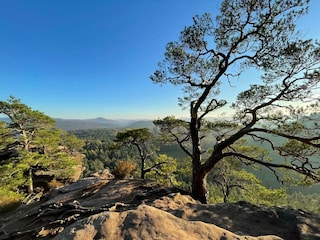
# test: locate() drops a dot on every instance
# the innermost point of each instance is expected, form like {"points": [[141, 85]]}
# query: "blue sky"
{"points": [[87, 59]]}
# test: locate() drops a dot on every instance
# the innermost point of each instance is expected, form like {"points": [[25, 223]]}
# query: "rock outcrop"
{"points": [[100, 207]]}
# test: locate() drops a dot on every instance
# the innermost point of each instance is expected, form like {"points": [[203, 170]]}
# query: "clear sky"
{"points": [[87, 59]]}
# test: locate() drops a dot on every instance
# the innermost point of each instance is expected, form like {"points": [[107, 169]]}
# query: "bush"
{"points": [[123, 169]]}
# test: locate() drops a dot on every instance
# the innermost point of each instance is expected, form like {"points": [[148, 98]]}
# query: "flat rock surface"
{"points": [[113, 209]]}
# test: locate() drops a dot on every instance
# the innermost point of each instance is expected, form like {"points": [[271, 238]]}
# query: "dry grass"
{"points": [[123, 169], [55, 184]]}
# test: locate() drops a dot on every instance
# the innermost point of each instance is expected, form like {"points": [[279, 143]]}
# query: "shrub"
{"points": [[123, 169], [55, 184]]}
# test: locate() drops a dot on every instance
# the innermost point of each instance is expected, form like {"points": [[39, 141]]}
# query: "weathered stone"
{"points": [[103, 208]]}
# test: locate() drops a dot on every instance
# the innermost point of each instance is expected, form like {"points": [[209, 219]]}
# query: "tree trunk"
{"points": [[199, 177], [199, 186], [142, 174], [26, 142], [30, 181], [142, 171], [226, 195]]}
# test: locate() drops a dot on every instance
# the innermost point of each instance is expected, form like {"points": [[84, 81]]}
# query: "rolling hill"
{"points": [[82, 124]]}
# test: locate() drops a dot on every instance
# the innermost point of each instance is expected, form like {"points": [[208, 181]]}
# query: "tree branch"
{"points": [[302, 170]]}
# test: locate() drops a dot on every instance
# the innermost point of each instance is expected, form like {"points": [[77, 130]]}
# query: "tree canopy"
{"points": [[32, 147], [143, 141], [253, 42]]}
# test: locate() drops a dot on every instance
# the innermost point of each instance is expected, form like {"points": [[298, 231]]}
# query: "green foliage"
{"points": [[92, 166], [37, 146], [70, 142], [100, 156], [183, 173], [6, 137], [259, 194], [172, 150], [9, 199], [170, 128], [235, 183], [134, 135], [104, 135], [24, 121], [100, 150], [245, 186], [307, 202], [63, 165], [164, 172], [139, 140]]}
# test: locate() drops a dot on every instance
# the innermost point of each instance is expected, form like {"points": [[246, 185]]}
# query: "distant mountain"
{"points": [[141, 124], [95, 123], [79, 124], [82, 124]]}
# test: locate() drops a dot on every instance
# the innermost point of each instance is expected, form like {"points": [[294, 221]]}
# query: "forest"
{"points": [[272, 131], [37, 157], [246, 183]]}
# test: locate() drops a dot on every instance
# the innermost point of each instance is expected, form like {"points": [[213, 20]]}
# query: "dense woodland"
{"points": [[245, 185]]}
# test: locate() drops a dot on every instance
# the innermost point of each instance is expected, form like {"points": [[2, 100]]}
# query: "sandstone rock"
{"points": [[100, 207]]}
